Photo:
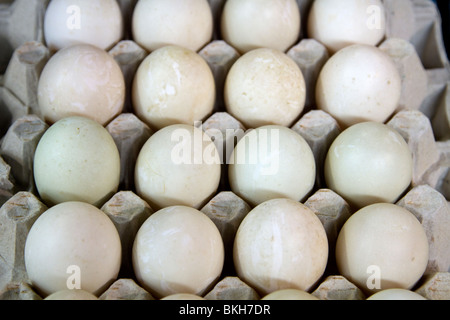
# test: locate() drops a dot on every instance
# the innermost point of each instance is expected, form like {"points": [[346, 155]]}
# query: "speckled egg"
{"points": [[173, 85], [265, 87]]}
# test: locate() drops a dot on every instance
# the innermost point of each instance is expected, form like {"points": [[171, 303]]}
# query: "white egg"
{"points": [[72, 22], [265, 87], [280, 244], [359, 83], [73, 245], [382, 246], [178, 165], [338, 24], [369, 163], [185, 23], [71, 295], [76, 160], [396, 294], [289, 294], [173, 85], [183, 297], [178, 250], [251, 24], [81, 80], [272, 162]]}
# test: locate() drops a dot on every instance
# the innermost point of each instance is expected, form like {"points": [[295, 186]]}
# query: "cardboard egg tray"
{"points": [[414, 40]]}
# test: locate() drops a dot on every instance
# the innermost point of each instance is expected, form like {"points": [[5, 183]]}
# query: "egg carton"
{"points": [[413, 39]]}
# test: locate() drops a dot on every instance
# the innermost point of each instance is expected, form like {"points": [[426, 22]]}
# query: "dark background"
{"points": [[444, 7]]}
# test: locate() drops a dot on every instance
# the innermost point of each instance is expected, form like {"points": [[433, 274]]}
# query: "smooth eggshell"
{"points": [[94, 22], [338, 24], [71, 295], [369, 163], [185, 23], [289, 294], [178, 250], [272, 162], [281, 244], [249, 24], [173, 85], [81, 80], [382, 243], [178, 165], [183, 297], [265, 87], [76, 160], [73, 234], [359, 83], [396, 294]]}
